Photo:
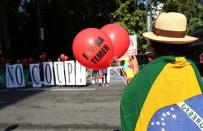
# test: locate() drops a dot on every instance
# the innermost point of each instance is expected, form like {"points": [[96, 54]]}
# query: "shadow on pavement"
{"points": [[11, 96], [12, 127]]}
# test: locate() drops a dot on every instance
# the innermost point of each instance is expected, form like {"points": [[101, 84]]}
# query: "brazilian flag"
{"points": [[164, 81]]}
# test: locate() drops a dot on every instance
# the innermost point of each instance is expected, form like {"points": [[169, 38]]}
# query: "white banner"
{"points": [[80, 74], [70, 72], [59, 73], [15, 76], [35, 75], [48, 73], [108, 74]]}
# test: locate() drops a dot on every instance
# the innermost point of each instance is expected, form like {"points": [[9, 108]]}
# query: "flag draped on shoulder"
{"points": [[164, 81], [184, 116]]}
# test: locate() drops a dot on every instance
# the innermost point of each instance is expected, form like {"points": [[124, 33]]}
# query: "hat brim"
{"points": [[169, 40]]}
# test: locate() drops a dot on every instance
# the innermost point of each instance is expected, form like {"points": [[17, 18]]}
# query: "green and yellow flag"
{"points": [[164, 81]]}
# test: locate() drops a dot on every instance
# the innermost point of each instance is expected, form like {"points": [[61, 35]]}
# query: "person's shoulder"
{"points": [[152, 66]]}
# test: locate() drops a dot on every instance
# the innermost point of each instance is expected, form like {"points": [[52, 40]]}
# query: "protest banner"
{"points": [[59, 73], [80, 74], [48, 73], [14, 76], [70, 72], [35, 75]]}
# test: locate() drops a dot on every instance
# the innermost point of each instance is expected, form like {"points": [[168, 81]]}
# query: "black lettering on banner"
{"points": [[194, 117], [9, 73], [201, 125], [187, 109], [70, 70], [57, 70], [33, 76], [198, 120], [191, 113], [19, 82], [46, 72]]}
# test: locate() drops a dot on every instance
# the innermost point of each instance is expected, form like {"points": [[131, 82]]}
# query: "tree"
{"points": [[65, 18], [62, 20], [15, 28], [4, 28], [133, 18]]}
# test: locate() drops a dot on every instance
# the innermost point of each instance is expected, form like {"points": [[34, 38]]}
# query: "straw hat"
{"points": [[170, 28]]}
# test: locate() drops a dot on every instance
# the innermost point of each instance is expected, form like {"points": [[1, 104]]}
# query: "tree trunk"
{"points": [[4, 32]]}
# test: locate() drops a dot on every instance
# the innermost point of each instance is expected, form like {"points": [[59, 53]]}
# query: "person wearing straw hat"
{"points": [[168, 79]]}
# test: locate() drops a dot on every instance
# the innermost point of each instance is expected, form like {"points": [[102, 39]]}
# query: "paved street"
{"points": [[88, 108]]}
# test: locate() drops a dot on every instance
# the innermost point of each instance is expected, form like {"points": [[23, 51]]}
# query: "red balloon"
{"points": [[30, 60], [62, 56], [24, 62], [43, 56], [65, 58], [119, 37], [93, 48]]}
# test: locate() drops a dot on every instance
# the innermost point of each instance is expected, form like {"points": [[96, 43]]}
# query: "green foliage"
{"points": [[61, 20], [64, 18], [133, 18]]}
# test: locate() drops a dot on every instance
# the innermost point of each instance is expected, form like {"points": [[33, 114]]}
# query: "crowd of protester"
{"points": [[26, 61], [99, 76]]}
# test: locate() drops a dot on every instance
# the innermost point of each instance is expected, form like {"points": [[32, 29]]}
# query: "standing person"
{"points": [[170, 78], [104, 77], [134, 63], [150, 56], [130, 67], [42, 58], [95, 75], [62, 57]]}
